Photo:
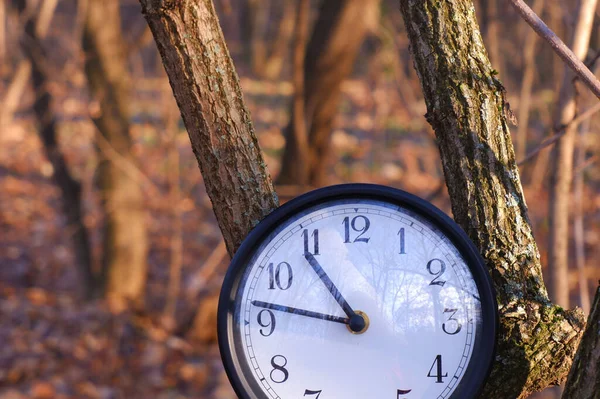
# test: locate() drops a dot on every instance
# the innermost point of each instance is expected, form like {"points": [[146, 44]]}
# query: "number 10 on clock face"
{"points": [[355, 298]]}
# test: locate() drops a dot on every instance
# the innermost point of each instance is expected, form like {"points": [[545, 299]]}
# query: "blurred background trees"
{"points": [[87, 123]]}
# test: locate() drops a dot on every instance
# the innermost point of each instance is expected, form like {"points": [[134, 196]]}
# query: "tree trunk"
{"points": [[584, 378], [2, 34], [529, 66], [336, 39], [562, 167], [466, 106], [17, 86], [273, 64], [209, 96], [125, 243], [44, 112], [299, 138]]}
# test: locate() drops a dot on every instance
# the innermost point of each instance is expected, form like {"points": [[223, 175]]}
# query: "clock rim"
{"points": [[484, 348]]}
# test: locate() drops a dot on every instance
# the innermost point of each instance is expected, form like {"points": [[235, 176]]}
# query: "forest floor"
{"points": [[55, 346]]}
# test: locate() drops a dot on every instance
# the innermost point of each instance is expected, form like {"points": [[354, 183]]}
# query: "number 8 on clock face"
{"points": [[357, 291]]}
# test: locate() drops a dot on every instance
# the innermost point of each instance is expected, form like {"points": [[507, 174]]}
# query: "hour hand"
{"points": [[301, 312]]}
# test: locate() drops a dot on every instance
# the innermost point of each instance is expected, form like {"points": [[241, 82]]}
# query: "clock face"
{"points": [[357, 296]]}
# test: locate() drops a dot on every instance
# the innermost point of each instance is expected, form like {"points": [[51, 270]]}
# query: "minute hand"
{"points": [[337, 295]]}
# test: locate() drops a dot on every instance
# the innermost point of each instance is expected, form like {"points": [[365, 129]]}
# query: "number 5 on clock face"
{"points": [[365, 296]]}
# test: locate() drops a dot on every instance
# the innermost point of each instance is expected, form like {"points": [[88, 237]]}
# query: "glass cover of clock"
{"points": [[356, 299]]}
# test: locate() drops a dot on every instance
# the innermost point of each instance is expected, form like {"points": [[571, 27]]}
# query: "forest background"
{"points": [[87, 75]]}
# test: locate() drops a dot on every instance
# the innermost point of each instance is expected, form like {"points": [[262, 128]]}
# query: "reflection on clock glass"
{"points": [[356, 299]]}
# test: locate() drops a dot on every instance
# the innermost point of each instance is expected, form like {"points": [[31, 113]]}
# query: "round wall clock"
{"points": [[357, 291]]}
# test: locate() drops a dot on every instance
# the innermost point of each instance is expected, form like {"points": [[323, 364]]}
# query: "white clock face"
{"points": [[356, 299]]}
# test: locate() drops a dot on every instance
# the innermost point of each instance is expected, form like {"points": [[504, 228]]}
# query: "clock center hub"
{"points": [[359, 322]]}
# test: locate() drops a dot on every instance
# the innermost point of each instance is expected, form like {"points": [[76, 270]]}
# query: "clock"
{"points": [[357, 291]]}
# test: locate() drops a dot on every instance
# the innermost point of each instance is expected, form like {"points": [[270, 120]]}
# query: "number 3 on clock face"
{"points": [[357, 291]]}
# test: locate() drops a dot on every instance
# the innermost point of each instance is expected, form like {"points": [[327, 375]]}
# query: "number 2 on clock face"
{"points": [[356, 300]]}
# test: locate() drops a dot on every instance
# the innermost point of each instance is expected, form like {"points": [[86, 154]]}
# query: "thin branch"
{"points": [[126, 166], [200, 279], [177, 233], [553, 139], [588, 162], [558, 46]]}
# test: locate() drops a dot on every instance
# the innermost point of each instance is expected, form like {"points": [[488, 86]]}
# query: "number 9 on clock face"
{"points": [[357, 291]]}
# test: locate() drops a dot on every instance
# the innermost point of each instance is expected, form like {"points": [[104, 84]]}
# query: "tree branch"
{"points": [[553, 139], [558, 46]]}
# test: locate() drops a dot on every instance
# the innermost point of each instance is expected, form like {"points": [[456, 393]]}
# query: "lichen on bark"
{"points": [[208, 93], [466, 106]]}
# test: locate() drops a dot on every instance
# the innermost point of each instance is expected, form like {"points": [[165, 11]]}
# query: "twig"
{"points": [[553, 139], [199, 280], [584, 165], [126, 166], [558, 46], [176, 237]]}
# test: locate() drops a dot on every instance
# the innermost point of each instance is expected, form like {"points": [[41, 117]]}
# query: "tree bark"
{"points": [[125, 246], [466, 107], [338, 34], [46, 118], [584, 378], [562, 168], [209, 96]]}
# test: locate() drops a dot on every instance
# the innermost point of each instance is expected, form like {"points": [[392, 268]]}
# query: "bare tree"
{"points": [[466, 106], [37, 65], [337, 36], [125, 243], [22, 74], [562, 167], [529, 66], [266, 61]]}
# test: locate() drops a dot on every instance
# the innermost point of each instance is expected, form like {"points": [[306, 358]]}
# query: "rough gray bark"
{"points": [[584, 378], [209, 97], [466, 107], [125, 245]]}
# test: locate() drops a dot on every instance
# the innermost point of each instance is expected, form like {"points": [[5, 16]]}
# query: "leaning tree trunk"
{"points": [[562, 167], [584, 378], [338, 34], [466, 107], [125, 241], [208, 93], [44, 112]]}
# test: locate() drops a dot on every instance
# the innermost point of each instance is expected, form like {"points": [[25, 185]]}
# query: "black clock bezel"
{"points": [[484, 349]]}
